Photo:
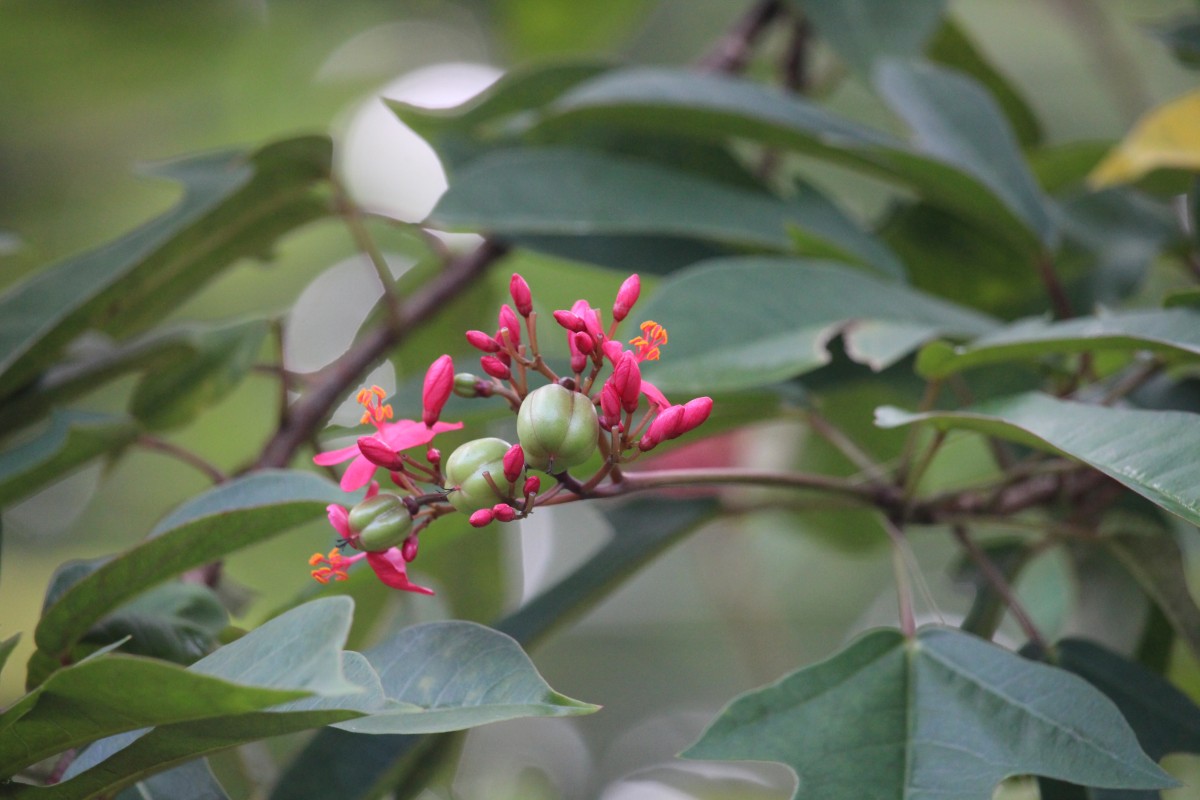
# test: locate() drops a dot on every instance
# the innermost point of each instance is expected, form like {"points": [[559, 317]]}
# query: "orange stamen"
{"points": [[338, 564], [653, 337], [375, 411]]}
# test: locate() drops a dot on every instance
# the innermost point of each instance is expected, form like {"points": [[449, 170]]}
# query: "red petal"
{"points": [[391, 568]]}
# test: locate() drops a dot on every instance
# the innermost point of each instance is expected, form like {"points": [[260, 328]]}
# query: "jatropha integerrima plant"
{"points": [[563, 421]]}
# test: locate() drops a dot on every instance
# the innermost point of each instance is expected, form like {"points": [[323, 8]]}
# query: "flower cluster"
{"points": [[567, 421]]}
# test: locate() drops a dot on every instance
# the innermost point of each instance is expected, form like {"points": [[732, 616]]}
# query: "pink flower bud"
{"points": [[612, 350], [570, 320], [495, 367], [379, 454], [504, 512], [533, 484], [409, 549], [439, 382], [590, 317], [579, 358], [482, 341], [514, 462], [433, 456], [483, 516], [610, 405], [339, 518], [584, 343], [627, 295], [508, 319], [662, 428], [694, 413], [522, 297], [627, 381]]}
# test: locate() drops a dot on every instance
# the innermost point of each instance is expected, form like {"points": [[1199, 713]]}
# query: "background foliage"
{"points": [[593, 181]]}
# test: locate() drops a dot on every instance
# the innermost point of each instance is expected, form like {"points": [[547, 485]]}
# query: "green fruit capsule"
{"points": [[470, 490], [557, 428], [380, 522]]}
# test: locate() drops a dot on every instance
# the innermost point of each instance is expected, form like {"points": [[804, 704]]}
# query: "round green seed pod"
{"points": [[380, 522], [470, 490], [557, 428]]}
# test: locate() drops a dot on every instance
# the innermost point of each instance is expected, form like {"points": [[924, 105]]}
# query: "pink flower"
{"points": [[397, 436], [675, 421], [522, 297], [391, 568], [627, 295]]}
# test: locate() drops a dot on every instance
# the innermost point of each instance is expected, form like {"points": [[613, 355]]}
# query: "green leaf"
{"points": [[560, 192], [358, 766], [944, 715], [1164, 718], [6, 648], [235, 204], [864, 31], [447, 676], [1173, 332], [1156, 563], [768, 319], [176, 622], [956, 120], [191, 781], [1182, 36], [720, 107], [224, 519], [106, 695], [69, 440], [175, 395], [952, 47], [464, 131], [1151, 452]]}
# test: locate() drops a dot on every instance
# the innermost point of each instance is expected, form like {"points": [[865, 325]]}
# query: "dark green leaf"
{"points": [[1151, 452], [6, 648], [175, 395], [1164, 718], [956, 120], [558, 191], [70, 439], [864, 31], [952, 47], [235, 205], [768, 319], [1174, 331], [190, 781], [224, 519], [1156, 562], [720, 107], [176, 622], [463, 132], [1182, 36], [945, 715]]}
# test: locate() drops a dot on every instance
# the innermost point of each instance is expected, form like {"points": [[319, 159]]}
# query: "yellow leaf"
{"points": [[1167, 136]]}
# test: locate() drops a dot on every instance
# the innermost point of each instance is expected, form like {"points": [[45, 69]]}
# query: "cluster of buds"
{"points": [[558, 429]]}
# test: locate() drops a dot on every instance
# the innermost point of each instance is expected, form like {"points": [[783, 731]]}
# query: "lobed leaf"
{"points": [[227, 518], [1151, 452], [769, 319], [235, 204], [1174, 332], [943, 715]]}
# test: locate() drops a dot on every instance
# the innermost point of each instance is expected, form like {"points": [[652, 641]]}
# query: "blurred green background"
{"points": [[91, 90]]}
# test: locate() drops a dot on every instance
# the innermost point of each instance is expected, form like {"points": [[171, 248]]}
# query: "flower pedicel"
{"points": [[562, 423]]}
